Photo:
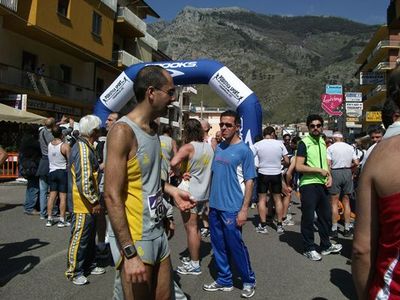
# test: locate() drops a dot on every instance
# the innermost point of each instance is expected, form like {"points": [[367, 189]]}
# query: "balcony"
{"points": [[10, 4], [24, 82], [128, 24], [386, 44], [385, 66], [111, 4], [150, 40], [379, 89], [123, 59]]}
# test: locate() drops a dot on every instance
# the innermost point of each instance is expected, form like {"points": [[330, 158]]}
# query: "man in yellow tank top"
{"points": [[132, 189]]}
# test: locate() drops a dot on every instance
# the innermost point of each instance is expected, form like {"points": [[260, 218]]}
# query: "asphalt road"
{"points": [[33, 261]]}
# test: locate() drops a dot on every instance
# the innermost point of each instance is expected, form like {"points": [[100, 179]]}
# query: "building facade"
{"points": [[62, 54]]}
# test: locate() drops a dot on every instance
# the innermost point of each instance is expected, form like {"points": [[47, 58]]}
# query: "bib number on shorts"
{"points": [[156, 207]]}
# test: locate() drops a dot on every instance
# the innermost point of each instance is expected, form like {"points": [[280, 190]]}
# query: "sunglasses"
{"points": [[227, 125], [315, 125], [171, 92]]}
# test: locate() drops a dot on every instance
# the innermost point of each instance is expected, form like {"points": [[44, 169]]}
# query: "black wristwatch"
{"points": [[129, 251]]}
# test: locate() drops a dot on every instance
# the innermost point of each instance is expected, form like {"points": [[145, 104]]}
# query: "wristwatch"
{"points": [[129, 251]]}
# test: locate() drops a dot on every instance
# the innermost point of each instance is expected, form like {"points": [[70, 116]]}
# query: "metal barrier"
{"points": [[9, 170]]}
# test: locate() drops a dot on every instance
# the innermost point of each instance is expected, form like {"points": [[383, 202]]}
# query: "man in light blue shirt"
{"points": [[233, 173]]}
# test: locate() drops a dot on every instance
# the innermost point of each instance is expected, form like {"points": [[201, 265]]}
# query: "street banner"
{"points": [[373, 116], [353, 97], [334, 89]]}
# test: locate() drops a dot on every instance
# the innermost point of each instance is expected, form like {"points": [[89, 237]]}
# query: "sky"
{"points": [[364, 11]]}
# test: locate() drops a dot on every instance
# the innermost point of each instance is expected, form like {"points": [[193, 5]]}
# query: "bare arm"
{"points": [[174, 147], [3, 156], [120, 142], [66, 151], [182, 199], [365, 235], [286, 161], [248, 191], [184, 152], [289, 172]]}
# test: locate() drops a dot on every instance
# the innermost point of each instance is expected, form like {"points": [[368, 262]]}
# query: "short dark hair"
{"points": [[376, 129], [146, 77], [166, 129], [268, 130], [57, 132], [390, 108], [193, 131], [232, 113], [287, 135], [314, 117]]}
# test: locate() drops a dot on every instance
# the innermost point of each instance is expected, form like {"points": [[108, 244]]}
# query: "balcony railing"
{"points": [[123, 59], [385, 66], [124, 14], [379, 89], [43, 85], [111, 4], [383, 45], [150, 40], [10, 4]]}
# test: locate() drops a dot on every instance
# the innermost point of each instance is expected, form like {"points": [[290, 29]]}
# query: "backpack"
{"points": [[28, 168]]}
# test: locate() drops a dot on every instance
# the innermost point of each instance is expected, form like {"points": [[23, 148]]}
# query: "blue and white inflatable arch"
{"points": [[218, 77]]}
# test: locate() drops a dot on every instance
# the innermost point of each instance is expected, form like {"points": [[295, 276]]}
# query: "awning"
{"points": [[10, 114]]}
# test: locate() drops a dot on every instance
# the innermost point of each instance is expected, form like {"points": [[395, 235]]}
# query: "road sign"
{"points": [[334, 89], [353, 97], [352, 119], [354, 106], [373, 116]]}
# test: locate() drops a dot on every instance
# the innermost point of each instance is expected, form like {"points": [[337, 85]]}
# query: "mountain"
{"points": [[286, 61]]}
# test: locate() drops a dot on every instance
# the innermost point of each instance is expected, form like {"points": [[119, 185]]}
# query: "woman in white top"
{"points": [[58, 152], [194, 161]]}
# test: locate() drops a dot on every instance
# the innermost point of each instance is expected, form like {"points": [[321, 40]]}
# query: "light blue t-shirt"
{"points": [[231, 167]]}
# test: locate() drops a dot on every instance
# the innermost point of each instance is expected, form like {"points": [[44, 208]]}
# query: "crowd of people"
{"points": [[122, 181]]}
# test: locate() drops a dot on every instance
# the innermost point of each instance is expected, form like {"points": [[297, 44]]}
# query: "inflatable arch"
{"points": [[218, 77]]}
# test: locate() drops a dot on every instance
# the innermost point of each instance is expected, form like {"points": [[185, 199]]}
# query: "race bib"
{"points": [[156, 207]]}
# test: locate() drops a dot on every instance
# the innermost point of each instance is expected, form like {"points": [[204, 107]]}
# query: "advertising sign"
{"points": [[371, 78], [353, 97], [352, 119], [353, 125], [373, 116], [330, 104], [334, 89]]}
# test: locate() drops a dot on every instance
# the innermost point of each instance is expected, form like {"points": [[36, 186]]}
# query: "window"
{"points": [[62, 7], [66, 73], [96, 24]]}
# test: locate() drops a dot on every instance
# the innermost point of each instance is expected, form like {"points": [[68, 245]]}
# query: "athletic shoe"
{"points": [[189, 269], [62, 224], [205, 232], [213, 287], [348, 233], [334, 233], [312, 255], [49, 223], [43, 217], [248, 291], [279, 229], [334, 248], [289, 217], [185, 260], [288, 222], [97, 271], [253, 205], [32, 212], [261, 229], [80, 280]]}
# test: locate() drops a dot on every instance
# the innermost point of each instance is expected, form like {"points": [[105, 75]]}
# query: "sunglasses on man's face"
{"points": [[171, 92], [227, 125], [315, 125]]}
